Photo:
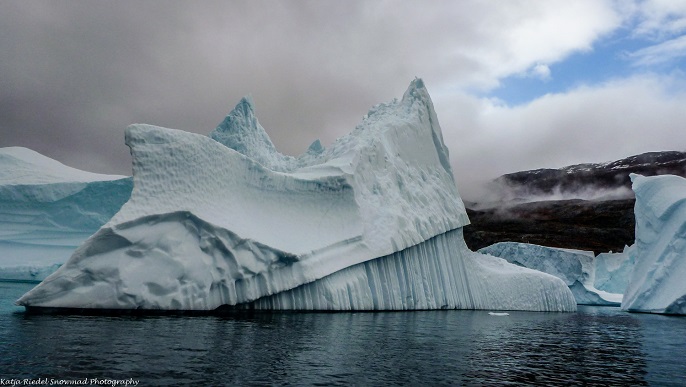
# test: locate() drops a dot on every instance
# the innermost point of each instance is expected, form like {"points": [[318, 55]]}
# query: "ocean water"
{"points": [[595, 346]]}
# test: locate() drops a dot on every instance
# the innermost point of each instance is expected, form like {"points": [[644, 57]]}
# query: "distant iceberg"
{"points": [[658, 281], [576, 268], [374, 222], [48, 209]]}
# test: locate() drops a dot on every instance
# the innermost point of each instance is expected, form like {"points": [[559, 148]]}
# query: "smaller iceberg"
{"points": [[575, 267], [658, 283], [48, 209]]}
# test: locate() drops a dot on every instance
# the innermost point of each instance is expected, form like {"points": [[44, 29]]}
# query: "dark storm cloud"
{"points": [[314, 68], [74, 74]]}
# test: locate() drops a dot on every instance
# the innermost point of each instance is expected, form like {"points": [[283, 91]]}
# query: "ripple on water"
{"points": [[596, 346]]}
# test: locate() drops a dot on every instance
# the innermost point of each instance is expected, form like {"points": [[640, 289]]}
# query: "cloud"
{"points": [[541, 71], [515, 36], [657, 19], [661, 23], [595, 123], [75, 74], [664, 52]]}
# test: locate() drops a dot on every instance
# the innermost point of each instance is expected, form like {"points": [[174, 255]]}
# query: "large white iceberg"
{"points": [[576, 268], [48, 209], [372, 223], [658, 281]]}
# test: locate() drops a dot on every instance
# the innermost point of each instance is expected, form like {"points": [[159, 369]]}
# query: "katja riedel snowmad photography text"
{"points": [[69, 382]]}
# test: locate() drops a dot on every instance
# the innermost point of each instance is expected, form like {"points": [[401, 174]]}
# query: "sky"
{"points": [[516, 85]]}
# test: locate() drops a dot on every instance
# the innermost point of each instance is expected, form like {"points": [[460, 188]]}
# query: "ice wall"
{"points": [[48, 209], [658, 282], [228, 220], [440, 273], [576, 268], [613, 270]]}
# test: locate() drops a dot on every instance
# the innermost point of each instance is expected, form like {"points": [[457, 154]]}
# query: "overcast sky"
{"points": [[516, 84]]}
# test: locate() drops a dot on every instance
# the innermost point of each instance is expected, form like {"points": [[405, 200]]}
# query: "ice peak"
{"points": [[416, 91], [240, 120], [247, 100], [242, 132], [316, 147], [245, 108]]}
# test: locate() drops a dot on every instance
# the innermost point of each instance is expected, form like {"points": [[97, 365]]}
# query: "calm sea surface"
{"points": [[595, 346]]}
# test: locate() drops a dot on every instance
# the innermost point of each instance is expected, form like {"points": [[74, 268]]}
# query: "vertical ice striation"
{"points": [[228, 220], [440, 273], [657, 283]]}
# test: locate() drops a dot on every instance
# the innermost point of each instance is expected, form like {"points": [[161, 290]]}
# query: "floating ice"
{"points": [[373, 222], [575, 267], [657, 283], [48, 209]]}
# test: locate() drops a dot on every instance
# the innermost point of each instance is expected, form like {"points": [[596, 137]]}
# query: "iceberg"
{"points": [[48, 209], [374, 222], [657, 282], [575, 267]]}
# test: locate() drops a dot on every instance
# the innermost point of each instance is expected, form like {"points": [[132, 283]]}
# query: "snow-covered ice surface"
{"points": [[228, 220], [575, 267], [48, 209], [658, 281]]}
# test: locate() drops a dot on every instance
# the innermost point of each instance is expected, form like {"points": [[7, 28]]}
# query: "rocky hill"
{"points": [[592, 181], [585, 206]]}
